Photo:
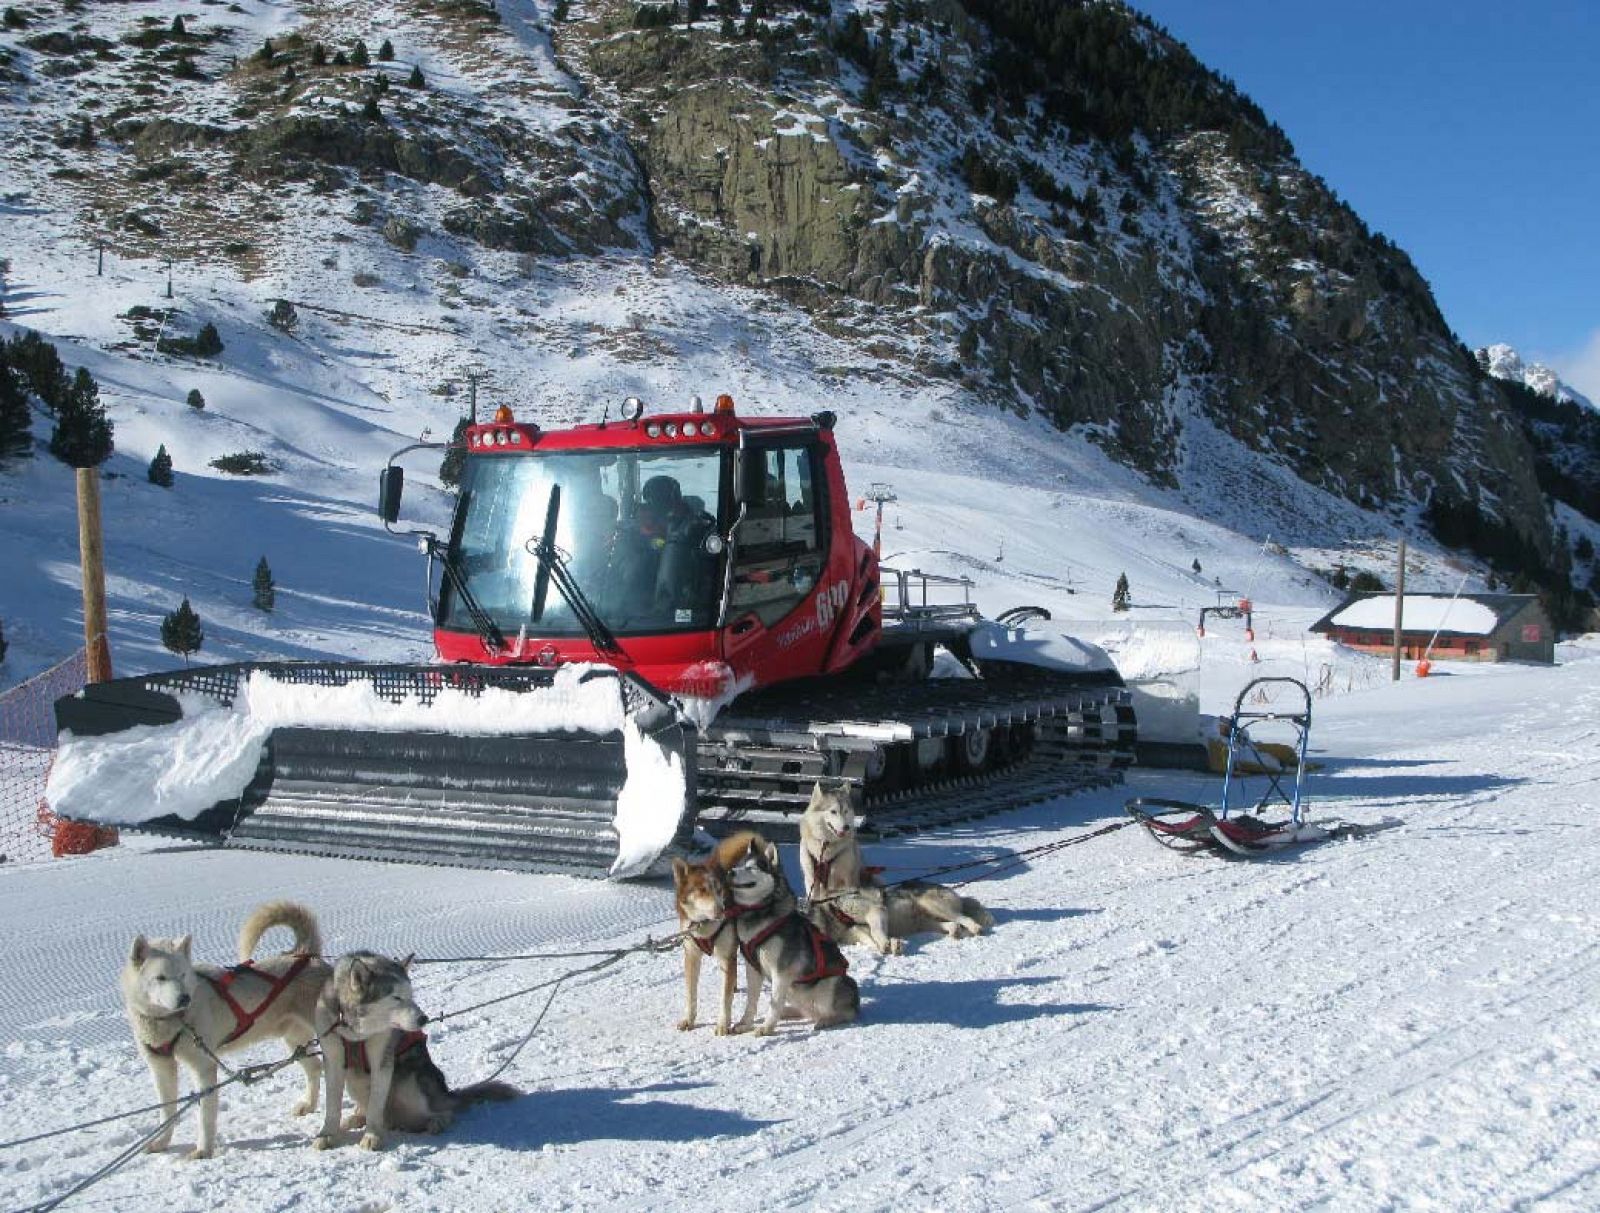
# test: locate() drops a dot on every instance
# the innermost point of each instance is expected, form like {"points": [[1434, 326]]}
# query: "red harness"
{"points": [[708, 944], [243, 1020], [827, 960], [821, 869], [355, 1051]]}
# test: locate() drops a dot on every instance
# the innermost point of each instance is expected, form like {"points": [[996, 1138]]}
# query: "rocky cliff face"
{"points": [[1047, 201], [1120, 273]]}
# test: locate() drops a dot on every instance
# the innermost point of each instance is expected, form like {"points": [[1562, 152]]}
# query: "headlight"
{"points": [[653, 430], [516, 437], [714, 544], [670, 429]]}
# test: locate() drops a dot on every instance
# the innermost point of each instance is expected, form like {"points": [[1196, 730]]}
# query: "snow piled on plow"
{"points": [[210, 756]]}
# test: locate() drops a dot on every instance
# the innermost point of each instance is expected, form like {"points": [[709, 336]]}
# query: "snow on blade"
{"points": [[210, 755], [648, 805]]}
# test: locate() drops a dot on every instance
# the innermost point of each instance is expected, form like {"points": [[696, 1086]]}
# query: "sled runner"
{"points": [[1236, 829]]}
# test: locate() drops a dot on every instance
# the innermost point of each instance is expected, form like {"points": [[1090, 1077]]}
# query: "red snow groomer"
{"points": [[687, 560]]}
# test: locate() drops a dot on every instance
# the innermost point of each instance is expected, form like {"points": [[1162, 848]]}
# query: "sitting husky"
{"points": [[844, 898], [371, 1031], [701, 893], [808, 972], [182, 1011]]}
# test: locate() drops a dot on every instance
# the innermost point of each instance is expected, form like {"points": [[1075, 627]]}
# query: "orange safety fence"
{"points": [[29, 832]]}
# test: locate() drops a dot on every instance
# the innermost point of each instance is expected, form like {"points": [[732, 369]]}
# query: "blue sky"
{"points": [[1467, 132]]}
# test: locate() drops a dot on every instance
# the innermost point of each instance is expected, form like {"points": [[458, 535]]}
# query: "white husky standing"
{"points": [[182, 1011]]}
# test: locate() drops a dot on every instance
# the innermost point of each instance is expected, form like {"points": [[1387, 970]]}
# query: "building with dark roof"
{"points": [[1468, 627]]}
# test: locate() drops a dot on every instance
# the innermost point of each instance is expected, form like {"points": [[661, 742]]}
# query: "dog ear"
{"points": [[680, 870], [183, 945], [818, 796], [406, 963], [140, 949], [770, 851]]}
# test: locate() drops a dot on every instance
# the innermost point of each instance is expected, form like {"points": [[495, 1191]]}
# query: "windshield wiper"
{"points": [[493, 638], [553, 567]]}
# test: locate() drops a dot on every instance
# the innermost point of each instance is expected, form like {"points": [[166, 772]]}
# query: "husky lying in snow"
{"points": [[371, 1030], [807, 970], [182, 1011], [700, 891], [844, 899]]}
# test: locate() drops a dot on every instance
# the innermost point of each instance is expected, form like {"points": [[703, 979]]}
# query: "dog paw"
{"points": [[894, 947], [305, 1107], [765, 1029], [437, 1124], [198, 1153], [354, 1121], [324, 1141], [158, 1146], [371, 1141], [686, 1024]]}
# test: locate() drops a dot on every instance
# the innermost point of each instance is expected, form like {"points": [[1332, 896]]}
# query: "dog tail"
{"points": [[973, 909], [291, 914], [486, 1092]]}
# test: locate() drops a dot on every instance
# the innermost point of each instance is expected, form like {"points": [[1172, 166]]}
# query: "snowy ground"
{"points": [[1403, 1021]]}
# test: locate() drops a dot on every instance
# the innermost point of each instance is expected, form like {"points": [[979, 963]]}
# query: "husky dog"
{"points": [[846, 900], [182, 1011], [830, 852], [701, 893], [371, 1031], [881, 915], [807, 970]]}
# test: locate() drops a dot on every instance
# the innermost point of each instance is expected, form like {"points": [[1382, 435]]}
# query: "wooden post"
{"points": [[1399, 605], [91, 551]]}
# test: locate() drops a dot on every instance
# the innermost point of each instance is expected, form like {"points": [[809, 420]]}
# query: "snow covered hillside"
{"points": [[1406, 1020]]}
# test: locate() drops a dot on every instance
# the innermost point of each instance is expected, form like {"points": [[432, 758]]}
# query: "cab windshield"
{"points": [[632, 526]]}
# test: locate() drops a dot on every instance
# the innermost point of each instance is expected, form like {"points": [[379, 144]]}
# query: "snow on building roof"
{"points": [[1468, 615]]}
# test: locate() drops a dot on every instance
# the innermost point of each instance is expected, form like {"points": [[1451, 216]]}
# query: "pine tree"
{"points": [[161, 468], [558, 11], [181, 632], [3, 645], [415, 80], [263, 591], [266, 52], [386, 51], [456, 457], [16, 437], [82, 437], [319, 55], [1121, 596], [178, 30], [340, 59], [195, 400], [359, 57], [208, 342], [85, 136], [1196, 566], [370, 110], [694, 11]]}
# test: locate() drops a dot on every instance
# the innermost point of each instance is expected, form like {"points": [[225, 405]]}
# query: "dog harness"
{"points": [[355, 1051], [708, 944], [243, 1020], [826, 958], [821, 869]]}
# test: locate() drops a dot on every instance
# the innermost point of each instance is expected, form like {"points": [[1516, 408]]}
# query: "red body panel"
{"points": [[835, 625]]}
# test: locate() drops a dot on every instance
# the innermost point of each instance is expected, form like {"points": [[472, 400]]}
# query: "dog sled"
{"points": [[1277, 818]]}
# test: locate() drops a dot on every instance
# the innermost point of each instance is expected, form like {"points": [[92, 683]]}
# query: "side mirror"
{"points": [[391, 484]]}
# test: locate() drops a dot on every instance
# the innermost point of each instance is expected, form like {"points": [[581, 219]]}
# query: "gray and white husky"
{"points": [[372, 1039], [189, 1013], [844, 898], [806, 968]]}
